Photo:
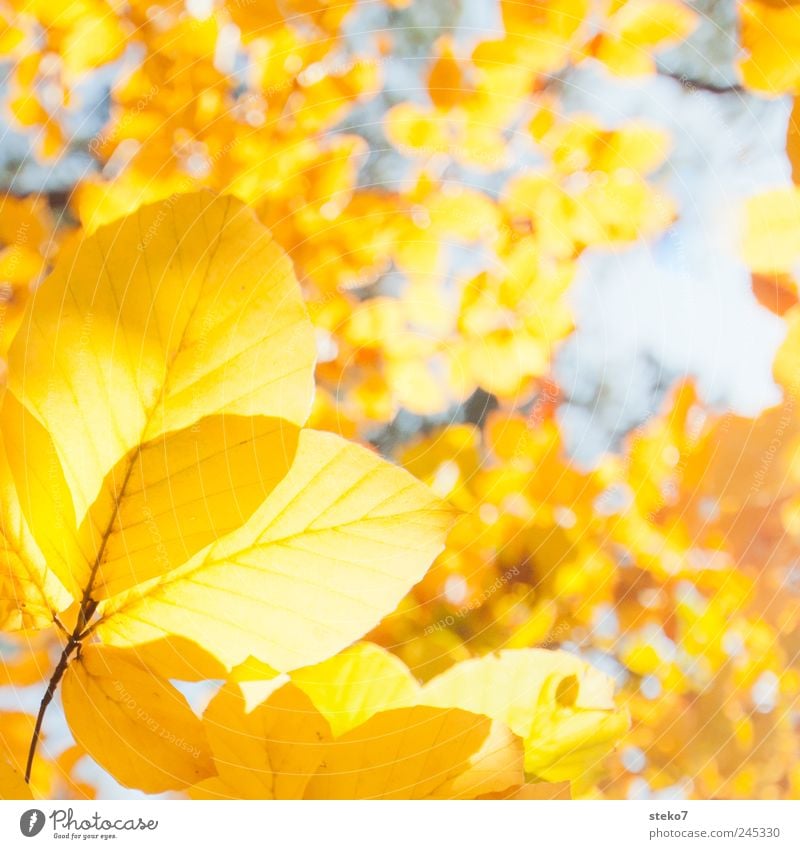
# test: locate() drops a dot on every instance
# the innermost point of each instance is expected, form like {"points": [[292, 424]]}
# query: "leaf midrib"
{"points": [[119, 495]]}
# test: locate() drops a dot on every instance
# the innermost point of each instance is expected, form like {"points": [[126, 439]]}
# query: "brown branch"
{"points": [[702, 85], [63, 662], [80, 632], [88, 607]]}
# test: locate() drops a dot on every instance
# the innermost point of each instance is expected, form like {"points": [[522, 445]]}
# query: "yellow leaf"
{"points": [[283, 750], [418, 753], [269, 753], [181, 310], [179, 659], [414, 130], [772, 231], [256, 680], [353, 686], [446, 84], [44, 496], [332, 550], [136, 725], [12, 783], [92, 41], [569, 735], [770, 36], [561, 706], [173, 496], [621, 208], [639, 28], [497, 767], [30, 593], [654, 23]]}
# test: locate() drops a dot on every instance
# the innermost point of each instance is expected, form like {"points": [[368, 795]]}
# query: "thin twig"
{"points": [[87, 610], [704, 85], [61, 627], [63, 662]]}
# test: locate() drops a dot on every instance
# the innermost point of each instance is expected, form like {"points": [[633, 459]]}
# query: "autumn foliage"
{"points": [[284, 426]]}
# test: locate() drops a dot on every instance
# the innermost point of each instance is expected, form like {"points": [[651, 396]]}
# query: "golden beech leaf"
{"points": [[179, 659], [283, 749], [419, 753], [570, 734], [136, 725], [43, 493], [184, 309], [497, 767], [158, 506], [356, 684], [12, 783], [256, 680], [30, 593], [332, 549], [269, 753], [560, 705], [176, 494]]}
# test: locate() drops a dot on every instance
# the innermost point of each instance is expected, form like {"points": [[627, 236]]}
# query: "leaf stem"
{"points": [[88, 607], [80, 632], [63, 661]]}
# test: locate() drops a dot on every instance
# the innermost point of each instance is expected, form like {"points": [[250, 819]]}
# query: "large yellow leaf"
{"points": [[270, 753], [180, 659], [356, 684], [136, 725], [333, 549], [496, 767], [160, 504], [178, 493], [44, 496], [12, 783], [30, 593], [184, 309], [572, 729], [283, 750], [419, 753], [560, 705]]}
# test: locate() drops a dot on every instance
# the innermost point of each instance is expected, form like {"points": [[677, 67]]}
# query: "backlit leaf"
{"points": [[183, 310], [561, 706], [133, 723], [356, 684], [12, 783], [418, 753], [333, 548]]}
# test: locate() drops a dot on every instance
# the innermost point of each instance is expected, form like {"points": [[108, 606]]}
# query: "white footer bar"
{"points": [[402, 825]]}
